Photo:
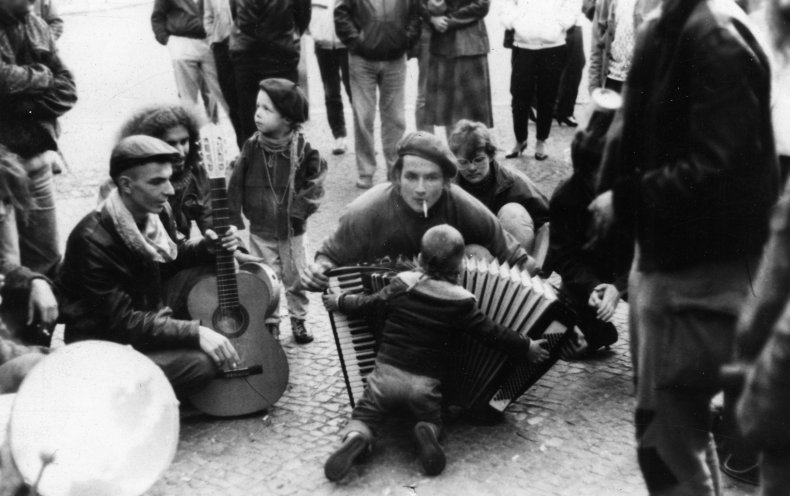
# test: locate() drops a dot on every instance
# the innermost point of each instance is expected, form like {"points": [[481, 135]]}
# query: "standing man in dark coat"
{"points": [[691, 169], [35, 89], [264, 43], [377, 35]]}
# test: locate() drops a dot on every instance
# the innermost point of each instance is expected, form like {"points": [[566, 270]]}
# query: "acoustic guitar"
{"points": [[237, 305]]}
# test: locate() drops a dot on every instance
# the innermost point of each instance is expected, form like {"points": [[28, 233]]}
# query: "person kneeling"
{"points": [[426, 309]]}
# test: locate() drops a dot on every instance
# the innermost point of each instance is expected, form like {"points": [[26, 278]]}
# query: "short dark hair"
{"points": [[471, 136], [442, 252]]}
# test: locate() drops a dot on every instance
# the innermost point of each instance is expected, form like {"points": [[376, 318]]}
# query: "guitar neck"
{"points": [[227, 288]]}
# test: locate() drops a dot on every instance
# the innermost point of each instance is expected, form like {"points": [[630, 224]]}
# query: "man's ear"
{"points": [[124, 184]]}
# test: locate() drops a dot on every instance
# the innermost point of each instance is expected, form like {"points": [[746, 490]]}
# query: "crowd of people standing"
{"points": [[675, 203]]}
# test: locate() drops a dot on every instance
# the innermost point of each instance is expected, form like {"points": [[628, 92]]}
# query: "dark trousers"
{"points": [[535, 73], [333, 65], [594, 330], [250, 70], [188, 371], [227, 83], [571, 74]]}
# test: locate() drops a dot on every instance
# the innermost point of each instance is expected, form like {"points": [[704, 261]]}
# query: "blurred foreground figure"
{"points": [[690, 168]]}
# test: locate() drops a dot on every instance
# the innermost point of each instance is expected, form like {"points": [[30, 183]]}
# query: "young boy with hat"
{"points": [[426, 309], [278, 183]]}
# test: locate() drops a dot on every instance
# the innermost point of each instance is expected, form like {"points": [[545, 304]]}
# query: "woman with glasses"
{"points": [[517, 202]]}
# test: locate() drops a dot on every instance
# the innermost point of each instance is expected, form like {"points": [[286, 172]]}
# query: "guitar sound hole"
{"points": [[232, 322]]}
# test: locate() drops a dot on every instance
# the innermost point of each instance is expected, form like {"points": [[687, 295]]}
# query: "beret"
{"points": [[426, 145], [287, 97], [138, 149]]}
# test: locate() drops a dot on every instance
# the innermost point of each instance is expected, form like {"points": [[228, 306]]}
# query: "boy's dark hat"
{"points": [[139, 149], [288, 98], [426, 145]]}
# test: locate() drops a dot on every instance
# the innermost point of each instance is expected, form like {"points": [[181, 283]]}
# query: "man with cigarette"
{"points": [[390, 219]]}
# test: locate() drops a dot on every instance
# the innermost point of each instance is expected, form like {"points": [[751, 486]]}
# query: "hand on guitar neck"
{"points": [[218, 347], [229, 241]]}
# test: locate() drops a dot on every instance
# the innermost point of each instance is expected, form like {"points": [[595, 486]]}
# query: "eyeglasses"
{"points": [[478, 161]]}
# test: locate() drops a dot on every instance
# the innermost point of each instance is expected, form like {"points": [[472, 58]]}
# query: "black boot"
{"points": [[338, 465], [430, 451]]}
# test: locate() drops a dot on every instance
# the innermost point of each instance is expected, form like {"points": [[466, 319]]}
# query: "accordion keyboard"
{"points": [[353, 337]]}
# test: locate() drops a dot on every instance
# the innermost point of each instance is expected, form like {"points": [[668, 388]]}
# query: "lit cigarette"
{"points": [[425, 208]]}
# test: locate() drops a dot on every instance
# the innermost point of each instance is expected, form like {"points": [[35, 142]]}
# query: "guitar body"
{"points": [[245, 327]]}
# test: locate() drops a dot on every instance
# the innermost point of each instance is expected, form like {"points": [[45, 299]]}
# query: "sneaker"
{"points": [[301, 334], [430, 451], [365, 182], [340, 462], [340, 146], [274, 330]]}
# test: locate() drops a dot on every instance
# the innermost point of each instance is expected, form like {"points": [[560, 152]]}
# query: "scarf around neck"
{"points": [[152, 243]]}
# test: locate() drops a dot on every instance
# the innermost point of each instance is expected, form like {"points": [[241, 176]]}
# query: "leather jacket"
{"points": [[269, 28], [111, 293], [378, 29], [690, 158]]}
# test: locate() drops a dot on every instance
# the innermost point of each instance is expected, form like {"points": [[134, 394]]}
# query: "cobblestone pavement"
{"points": [[571, 434]]}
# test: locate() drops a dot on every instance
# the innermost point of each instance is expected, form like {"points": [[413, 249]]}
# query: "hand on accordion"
{"points": [[538, 351], [330, 302]]}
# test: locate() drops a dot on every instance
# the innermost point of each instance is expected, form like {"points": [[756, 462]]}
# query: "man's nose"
{"points": [[421, 185], [169, 190]]}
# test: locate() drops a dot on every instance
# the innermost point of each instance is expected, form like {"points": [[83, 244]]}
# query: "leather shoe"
{"points": [[431, 454], [340, 462], [300, 332]]}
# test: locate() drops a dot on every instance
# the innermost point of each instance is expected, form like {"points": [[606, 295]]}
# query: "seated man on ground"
{"points": [[390, 219], [594, 270], [426, 310], [513, 197], [123, 265]]}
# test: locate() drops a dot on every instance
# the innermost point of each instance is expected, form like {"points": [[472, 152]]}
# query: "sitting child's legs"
{"points": [[425, 403]]}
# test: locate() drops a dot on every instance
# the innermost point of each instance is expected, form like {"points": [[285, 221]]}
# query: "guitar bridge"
{"points": [[241, 372]]}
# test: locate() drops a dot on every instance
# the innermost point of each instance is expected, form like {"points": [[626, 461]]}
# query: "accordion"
{"points": [[480, 376]]}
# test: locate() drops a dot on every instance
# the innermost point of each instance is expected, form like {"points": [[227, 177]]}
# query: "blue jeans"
{"points": [[682, 331], [389, 78], [423, 60], [390, 390]]}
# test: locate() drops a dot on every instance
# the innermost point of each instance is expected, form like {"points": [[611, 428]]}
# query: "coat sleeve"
{"points": [[760, 315], [307, 199], [471, 12], [159, 21], [236, 189], [532, 199], [144, 330], [345, 27], [24, 80], [414, 24], [61, 96], [356, 304], [480, 226], [724, 124]]}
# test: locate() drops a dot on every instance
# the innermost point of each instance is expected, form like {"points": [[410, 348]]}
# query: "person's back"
{"points": [[425, 311]]}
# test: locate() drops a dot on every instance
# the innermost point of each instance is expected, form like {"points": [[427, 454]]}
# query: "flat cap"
{"points": [[426, 145], [287, 97], [138, 149]]}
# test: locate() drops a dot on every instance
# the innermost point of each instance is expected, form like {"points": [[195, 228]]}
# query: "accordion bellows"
{"points": [[480, 376]]}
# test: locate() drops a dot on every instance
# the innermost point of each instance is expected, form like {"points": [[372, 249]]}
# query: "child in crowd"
{"points": [[425, 310], [277, 183]]}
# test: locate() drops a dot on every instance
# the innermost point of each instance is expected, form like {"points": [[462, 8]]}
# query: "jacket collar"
{"points": [[417, 282]]}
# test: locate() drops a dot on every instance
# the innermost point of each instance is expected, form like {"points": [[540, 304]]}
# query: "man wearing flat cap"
{"points": [[121, 259], [390, 219]]}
